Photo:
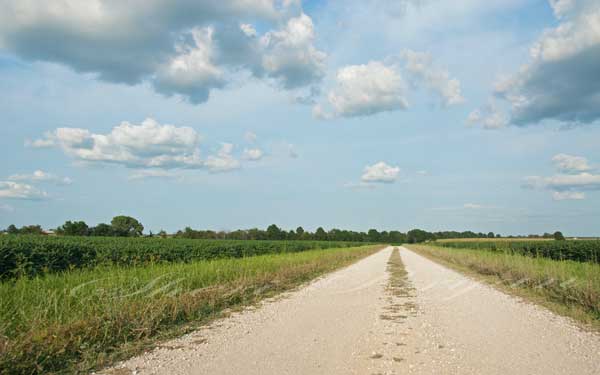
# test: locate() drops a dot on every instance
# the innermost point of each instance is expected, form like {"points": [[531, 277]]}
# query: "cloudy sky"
{"points": [[357, 114]]}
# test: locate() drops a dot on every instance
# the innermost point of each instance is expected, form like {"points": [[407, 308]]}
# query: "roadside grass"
{"points": [[566, 287], [82, 320]]}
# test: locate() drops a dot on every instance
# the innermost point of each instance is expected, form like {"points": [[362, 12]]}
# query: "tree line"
{"points": [[127, 226], [120, 226]]}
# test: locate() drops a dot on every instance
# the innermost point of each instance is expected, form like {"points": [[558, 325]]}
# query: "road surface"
{"points": [[370, 318]]}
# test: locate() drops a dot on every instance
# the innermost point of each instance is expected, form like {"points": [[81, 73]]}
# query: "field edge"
{"points": [[579, 316], [228, 301]]}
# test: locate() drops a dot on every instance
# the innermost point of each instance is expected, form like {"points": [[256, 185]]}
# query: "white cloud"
{"points": [[563, 182], [473, 206], [148, 145], [380, 172], [252, 154], [572, 182], [420, 66], [567, 195], [223, 161], [290, 56], [571, 164], [489, 117], [16, 190], [561, 7], [248, 29], [367, 89], [363, 90], [180, 47], [560, 82], [193, 71], [40, 143], [41, 176]]}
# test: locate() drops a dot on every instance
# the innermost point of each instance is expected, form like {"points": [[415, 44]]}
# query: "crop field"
{"points": [[576, 250], [80, 319], [37, 255], [499, 239]]}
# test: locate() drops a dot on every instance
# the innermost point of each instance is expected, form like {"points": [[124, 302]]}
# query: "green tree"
{"points": [[491, 235], [274, 233], [373, 235], [12, 229], [126, 226], [299, 233], [418, 235], [103, 230], [558, 236], [31, 229], [73, 228], [320, 234]]}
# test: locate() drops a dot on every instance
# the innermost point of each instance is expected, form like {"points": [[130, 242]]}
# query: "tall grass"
{"points": [[569, 287], [82, 319]]}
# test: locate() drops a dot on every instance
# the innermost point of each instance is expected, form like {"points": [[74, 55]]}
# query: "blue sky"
{"points": [[437, 114]]}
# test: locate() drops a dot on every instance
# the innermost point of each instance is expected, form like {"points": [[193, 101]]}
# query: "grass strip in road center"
{"points": [[84, 319], [400, 299], [566, 287]]}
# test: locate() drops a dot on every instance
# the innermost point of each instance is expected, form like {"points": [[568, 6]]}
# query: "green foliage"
{"points": [[320, 234], [103, 230], [274, 233], [126, 226], [36, 255], [577, 250], [27, 229], [73, 228], [419, 235], [373, 235], [558, 236]]}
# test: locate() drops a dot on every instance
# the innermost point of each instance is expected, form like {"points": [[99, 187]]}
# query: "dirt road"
{"points": [[372, 318]]}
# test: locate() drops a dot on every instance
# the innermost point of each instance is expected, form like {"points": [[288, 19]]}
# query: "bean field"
{"points": [[38, 255], [575, 250]]}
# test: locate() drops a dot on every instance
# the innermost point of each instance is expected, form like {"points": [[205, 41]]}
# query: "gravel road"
{"points": [[371, 318]]}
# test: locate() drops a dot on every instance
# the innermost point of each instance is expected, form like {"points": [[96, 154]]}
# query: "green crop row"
{"points": [[580, 250], [36, 255]]}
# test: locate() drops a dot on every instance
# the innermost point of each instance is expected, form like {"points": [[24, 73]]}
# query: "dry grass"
{"points": [[400, 291], [566, 287]]}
